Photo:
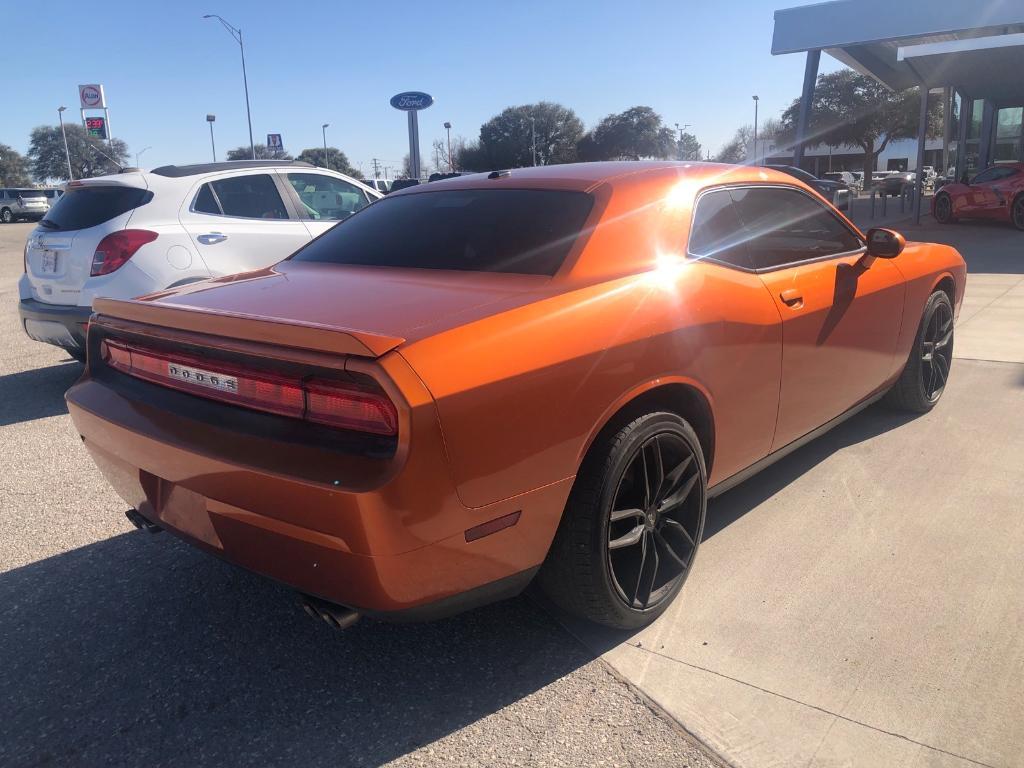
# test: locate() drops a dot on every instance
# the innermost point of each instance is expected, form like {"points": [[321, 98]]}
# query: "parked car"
{"points": [[995, 193], [399, 184], [380, 185], [472, 383], [22, 205], [53, 195], [845, 177], [894, 184], [134, 233], [836, 192]]}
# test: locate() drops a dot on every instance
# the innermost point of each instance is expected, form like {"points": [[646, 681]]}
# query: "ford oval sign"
{"points": [[411, 101]]}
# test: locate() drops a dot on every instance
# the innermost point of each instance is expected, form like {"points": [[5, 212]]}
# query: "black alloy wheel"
{"points": [[937, 351], [655, 521]]}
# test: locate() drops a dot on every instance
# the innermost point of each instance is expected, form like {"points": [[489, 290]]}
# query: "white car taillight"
{"points": [[115, 249]]}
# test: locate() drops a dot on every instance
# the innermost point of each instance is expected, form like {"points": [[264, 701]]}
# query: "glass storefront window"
{"points": [[974, 126], [1008, 134]]}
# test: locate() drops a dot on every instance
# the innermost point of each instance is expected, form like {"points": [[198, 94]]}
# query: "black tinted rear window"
{"points": [[481, 230], [30, 193], [84, 207]]}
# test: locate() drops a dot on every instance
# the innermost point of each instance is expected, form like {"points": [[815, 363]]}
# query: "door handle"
{"points": [[212, 238], [792, 297]]}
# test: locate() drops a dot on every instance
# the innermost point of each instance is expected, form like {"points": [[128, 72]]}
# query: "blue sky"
{"points": [[164, 68]]}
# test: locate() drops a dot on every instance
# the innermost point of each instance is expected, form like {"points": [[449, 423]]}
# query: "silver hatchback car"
{"points": [[18, 204]]}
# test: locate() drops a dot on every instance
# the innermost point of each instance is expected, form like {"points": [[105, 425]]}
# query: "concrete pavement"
{"points": [[861, 603], [118, 648]]}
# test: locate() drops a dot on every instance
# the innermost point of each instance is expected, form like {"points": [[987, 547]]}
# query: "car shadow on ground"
{"points": [[36, 393], [139, 650]]}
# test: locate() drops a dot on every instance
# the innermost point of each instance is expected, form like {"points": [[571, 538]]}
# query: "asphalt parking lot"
{"points": [[122, 648], [856, 604]]}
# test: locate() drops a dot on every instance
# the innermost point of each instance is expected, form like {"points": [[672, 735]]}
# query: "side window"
{"points": [[206, 202], [245, 197], [785, 226], [717, 232], [325, 197]]}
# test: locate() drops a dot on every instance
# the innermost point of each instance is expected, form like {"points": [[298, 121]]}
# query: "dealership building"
{"points": [[967, 54]]}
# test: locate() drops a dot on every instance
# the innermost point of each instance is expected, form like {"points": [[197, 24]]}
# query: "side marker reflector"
{"points": [[493, 526]]}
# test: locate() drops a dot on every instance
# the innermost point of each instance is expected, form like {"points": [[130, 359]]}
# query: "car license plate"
{"points": [[49, 263], [202, 378]]}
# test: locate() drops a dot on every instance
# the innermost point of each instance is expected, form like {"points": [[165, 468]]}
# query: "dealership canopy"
{"points": [[975, 47]]}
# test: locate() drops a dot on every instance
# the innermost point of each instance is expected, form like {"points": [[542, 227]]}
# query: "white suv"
{"points": [[137, 232]]}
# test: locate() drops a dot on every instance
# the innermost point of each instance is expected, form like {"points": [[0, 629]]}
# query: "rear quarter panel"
{"points": [[521, 394]]}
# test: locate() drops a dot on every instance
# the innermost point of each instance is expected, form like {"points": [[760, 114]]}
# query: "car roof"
{"points": [[585, 177], [178, 171]]}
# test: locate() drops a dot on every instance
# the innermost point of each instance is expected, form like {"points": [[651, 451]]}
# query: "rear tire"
{"points": [[627, 540], [924, 376]]}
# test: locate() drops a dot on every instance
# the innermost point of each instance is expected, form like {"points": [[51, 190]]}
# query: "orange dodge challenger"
{"points": [[538, 372]]}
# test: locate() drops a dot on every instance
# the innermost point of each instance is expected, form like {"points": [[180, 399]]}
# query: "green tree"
{"points": [[851, 108], [638, 132], [689, 147], [336, 160], [507, 140], [13, 169], [88, 154], [262, 153]]}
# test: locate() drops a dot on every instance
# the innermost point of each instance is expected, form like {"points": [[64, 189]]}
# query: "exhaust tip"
{"points": [[137, 519], [333, 615]]}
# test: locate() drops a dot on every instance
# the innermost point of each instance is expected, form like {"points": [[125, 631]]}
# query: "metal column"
{"points": [[806, 99], [947, 116], [414, 145], [922, 134], [966, 104], [986, 138]]}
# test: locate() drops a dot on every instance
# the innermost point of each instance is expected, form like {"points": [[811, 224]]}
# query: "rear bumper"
{"points": [[62, 325], [397, 548]]}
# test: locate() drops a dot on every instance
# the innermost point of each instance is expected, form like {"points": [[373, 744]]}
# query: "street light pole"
{"points": [[681, 130], [532, 136], [210, 119], [327, 161], [237, 35], [451, 165], [67, 154], [756, 100]]}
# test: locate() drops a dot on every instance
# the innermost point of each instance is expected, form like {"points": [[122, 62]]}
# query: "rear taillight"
{"points": [[116, 248], [337, 404]]}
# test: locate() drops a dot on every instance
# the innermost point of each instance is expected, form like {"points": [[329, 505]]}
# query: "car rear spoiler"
{"points": [[243, 327]]}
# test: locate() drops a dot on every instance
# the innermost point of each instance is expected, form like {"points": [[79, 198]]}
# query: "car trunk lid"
{"points": [[363, 311]]}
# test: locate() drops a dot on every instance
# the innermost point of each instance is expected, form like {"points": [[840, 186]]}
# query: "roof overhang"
{"points": [[974, 45]]}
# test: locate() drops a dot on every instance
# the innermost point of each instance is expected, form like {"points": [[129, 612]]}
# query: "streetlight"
{"points": [[138, 155], [756, 99], [327, 162], [237, 35], [67, 154], [210, 119], [533, 138], [683, 128], [451, 165]]}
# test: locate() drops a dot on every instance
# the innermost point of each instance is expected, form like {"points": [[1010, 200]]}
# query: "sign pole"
{"points": [[414, 145], [110, 135]]}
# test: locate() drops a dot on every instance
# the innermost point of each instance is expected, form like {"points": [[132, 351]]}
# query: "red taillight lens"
{"points": [[336, 404], [115, 249], [339, 405]]}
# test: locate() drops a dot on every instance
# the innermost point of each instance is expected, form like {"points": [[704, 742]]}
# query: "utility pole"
{"points": [[376, 173], [327, 162], [756, 100], [533, 137]]}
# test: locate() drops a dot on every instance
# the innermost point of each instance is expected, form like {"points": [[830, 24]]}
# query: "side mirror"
{"points": [[885, 243]]}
